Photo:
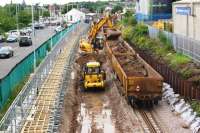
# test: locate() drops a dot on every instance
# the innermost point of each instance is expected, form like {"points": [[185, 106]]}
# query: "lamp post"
{"points": [[16, 8], [33, 28]]}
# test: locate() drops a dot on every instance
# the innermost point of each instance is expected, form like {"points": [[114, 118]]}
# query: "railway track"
{"points": [[152, 125]]}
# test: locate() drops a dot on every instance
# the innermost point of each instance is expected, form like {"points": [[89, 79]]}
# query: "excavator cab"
{"points": [[93, 76], [99, 41]]}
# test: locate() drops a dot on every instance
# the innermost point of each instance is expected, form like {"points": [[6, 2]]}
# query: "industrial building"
{"points": [[151, 10], [186, 18]]}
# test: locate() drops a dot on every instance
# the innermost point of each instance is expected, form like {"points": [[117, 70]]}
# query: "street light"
{"points": [[16, 8], [33, 29]]}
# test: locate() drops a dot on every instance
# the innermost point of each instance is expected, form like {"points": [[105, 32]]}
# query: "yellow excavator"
{"points": [[93, 76], [93, 41]]}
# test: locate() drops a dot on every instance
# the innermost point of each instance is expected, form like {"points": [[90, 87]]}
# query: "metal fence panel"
{"points": [[182, 44], [25, 67]]}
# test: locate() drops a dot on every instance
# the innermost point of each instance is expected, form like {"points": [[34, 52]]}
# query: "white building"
{"points": [[186, 17], [74, 15]]}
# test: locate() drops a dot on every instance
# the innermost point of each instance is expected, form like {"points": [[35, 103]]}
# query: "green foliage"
{"points": [[92, 6], [178, 59], [8, 17], [127, 32], [128, 14], [46, 14], [24, 18], [6, 22], [130, 21], [117, 8], [140, 30], [162, 37], [196, 106]]}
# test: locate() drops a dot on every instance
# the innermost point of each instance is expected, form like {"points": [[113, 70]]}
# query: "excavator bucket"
{"points": [[112, 34]]}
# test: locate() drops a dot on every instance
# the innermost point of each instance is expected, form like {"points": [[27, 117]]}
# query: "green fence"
{"points": [[25, 67]]}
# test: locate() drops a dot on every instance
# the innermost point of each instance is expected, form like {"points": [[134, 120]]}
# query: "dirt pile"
{"points": [[82, 59], [129, 61], [112, 34], [131, 65]]}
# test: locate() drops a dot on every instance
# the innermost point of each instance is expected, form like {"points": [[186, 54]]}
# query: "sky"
{"points": [[3, 2]]}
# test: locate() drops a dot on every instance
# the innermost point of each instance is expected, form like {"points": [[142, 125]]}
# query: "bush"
{"points": [[127, 32], [140, 30], [178, 59], [196, 106], [162, 37]]}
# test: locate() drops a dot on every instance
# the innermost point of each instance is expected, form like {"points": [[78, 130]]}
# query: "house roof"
{"points": [[75, 10], [187, 1]]}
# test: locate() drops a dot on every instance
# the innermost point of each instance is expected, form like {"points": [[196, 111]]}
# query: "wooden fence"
{"points": [[183, 87]]}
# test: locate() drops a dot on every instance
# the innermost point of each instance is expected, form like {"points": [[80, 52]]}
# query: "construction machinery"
{"points": [[93, 76], [95, 39], [166, 25]]}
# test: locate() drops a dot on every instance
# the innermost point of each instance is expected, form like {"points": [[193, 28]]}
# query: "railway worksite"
{"points": [[99, 70]]}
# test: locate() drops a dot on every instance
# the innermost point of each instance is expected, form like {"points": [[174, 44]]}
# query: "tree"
{"points": [[46, 14], [117, 8], [24, 18], [7, 22]]}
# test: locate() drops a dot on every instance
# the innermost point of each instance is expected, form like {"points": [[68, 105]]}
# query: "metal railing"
{"points": [[19, 110], [182, 44]]}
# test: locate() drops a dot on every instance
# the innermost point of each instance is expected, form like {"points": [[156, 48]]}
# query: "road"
{"points": [[6, 65]]}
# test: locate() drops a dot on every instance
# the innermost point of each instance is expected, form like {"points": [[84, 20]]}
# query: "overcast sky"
{"points": [[3, 2]]}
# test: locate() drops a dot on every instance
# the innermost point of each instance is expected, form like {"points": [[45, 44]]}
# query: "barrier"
{"points": [[25, 67]]}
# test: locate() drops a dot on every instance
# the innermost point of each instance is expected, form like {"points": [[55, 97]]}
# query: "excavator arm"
{"points": [[96, 27]]}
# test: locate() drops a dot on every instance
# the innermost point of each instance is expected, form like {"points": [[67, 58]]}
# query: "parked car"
{"points": [[41, 25], [6, 52], [14, 32], [29, 29], [12, 38], [25, 41], [2, 38], [58, 29]]}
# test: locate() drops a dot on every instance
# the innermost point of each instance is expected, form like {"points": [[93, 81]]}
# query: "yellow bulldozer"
{"points": [[93, 76]]}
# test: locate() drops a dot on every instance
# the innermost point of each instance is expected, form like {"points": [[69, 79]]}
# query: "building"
{"points": [[151, 10], [186, 18], [74, 15]]}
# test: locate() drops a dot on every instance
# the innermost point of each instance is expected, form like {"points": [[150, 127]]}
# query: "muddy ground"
{"points": [[97, 111]]}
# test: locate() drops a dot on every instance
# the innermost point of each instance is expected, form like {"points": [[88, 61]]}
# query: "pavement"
{"points": [[6, 65]]}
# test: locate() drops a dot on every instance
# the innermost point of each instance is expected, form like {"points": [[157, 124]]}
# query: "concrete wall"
{"points": [[188, 25]]}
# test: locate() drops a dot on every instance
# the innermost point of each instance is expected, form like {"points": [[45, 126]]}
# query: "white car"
{"points": [[26, 30], [58, 29], [12, 38]]}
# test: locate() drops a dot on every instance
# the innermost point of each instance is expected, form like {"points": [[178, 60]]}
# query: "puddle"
{"points": [[98, 120]]}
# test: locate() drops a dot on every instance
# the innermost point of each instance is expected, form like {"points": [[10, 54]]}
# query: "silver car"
{"points": [[6, 52]]}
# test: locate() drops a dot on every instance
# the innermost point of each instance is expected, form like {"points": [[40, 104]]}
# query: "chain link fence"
{"points": [[20, 109], [182, 44]]}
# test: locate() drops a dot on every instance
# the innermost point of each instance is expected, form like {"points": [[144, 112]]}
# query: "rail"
{"points": [[150, 121]]}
